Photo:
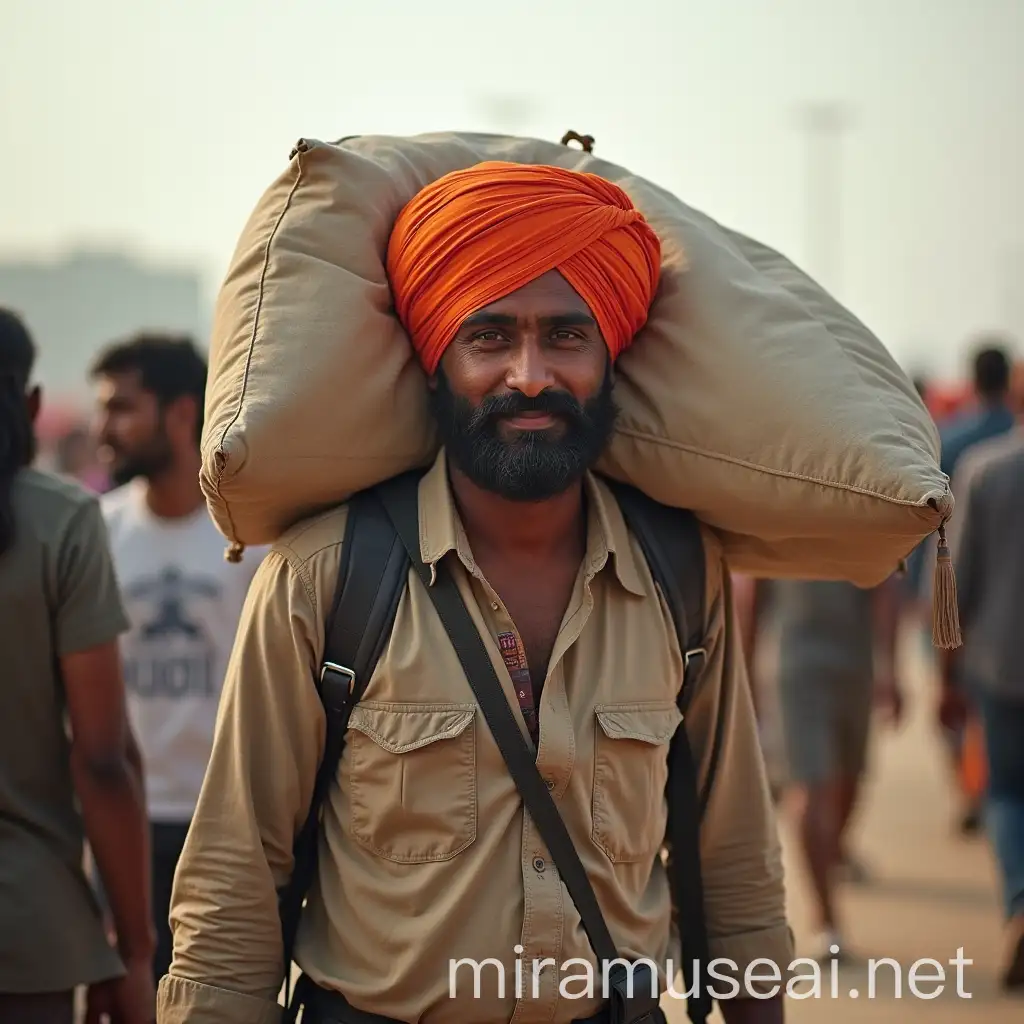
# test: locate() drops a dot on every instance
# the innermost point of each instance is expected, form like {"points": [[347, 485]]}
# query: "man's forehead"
{"points": [[121, 383]]}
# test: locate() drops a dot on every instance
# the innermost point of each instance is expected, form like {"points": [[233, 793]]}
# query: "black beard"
{"points": [[149, 463], [536, 465]]}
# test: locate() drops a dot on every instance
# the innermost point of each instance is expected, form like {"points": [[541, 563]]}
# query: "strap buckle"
{"points": [[694, 661], [696, 652], [331, 674], [342, 670]]}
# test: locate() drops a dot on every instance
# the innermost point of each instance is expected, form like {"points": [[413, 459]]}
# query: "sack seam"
{"points": [[719, 457], [255, 330]]}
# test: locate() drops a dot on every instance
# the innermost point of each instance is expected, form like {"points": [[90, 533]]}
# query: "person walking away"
{"points": [[987, 674], [182, 598], [992, 413], [836, 661], [60, 617], [991, 416], [427, 855]]}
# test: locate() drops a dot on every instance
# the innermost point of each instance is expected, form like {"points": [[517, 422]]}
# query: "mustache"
{"points": [[515, 403]]}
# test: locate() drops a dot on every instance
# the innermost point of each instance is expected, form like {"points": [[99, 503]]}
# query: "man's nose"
{"points": [[529, 372]]}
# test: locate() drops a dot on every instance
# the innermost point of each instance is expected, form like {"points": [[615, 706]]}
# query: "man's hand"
{"points": [[127, 1000], [952, 709], [753, 1011], [888, 698]]}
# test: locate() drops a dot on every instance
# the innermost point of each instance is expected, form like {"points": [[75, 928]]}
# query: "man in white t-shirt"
{"points": [[182, 597]]}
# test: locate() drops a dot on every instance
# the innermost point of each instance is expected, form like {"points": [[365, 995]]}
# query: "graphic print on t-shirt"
{"points": [[170, 655]]}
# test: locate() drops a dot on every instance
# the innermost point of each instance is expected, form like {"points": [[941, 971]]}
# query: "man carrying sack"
{"points": [[544, 689]]}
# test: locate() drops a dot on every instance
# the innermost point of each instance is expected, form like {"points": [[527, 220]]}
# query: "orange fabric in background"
{"points": [[476, 235], [973, 760]]}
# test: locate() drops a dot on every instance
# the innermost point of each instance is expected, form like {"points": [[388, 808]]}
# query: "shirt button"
{"points": [[550, 783], [538, 864], [494, 606]]}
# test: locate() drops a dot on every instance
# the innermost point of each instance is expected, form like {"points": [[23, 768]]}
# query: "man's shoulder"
{"points": [[51, 504], [116, 502], [995, 461], [53, 490], [314, 538]]}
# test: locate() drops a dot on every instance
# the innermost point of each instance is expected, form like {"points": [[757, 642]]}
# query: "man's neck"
{"points": [[175, 493], [528, 530]]}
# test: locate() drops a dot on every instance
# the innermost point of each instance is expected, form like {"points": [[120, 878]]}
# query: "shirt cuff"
{"points": [[181, 1001], [760, 963]]}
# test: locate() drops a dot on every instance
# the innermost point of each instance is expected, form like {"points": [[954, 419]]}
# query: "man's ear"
{"points": [[181, 417], [34, 399]]}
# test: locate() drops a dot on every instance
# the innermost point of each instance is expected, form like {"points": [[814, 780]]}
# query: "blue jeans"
{"points": [[1003, 724]]}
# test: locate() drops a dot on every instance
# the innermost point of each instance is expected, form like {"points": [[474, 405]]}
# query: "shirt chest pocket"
{"points": [[412, 784], [631, 744]]}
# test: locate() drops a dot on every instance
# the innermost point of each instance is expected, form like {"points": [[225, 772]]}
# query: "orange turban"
{"points": [[474, 236]]}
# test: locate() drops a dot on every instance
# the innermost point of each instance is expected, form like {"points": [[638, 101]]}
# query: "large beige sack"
{"points": [[750, 396]]}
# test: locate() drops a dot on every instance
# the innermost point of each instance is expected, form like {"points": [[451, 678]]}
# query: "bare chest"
{"points": [[536, 603]]}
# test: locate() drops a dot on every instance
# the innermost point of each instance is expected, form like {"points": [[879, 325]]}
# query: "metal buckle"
{"points": [[694, 653], [341, 670]]}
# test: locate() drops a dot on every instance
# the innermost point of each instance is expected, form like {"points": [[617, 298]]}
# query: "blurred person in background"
{"points": [[989, 416], [1017, 389], [60, 618], [987, 673], [182, 597], [992, 412], [836, 661]]}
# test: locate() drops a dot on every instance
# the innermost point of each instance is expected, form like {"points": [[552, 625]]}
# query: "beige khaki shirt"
{"points": [[427, 856]]}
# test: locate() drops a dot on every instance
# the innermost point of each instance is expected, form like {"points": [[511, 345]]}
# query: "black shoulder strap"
{"points": [[671, 542], [465, 638], [371, 578], [631, 1002], [381, 542]]}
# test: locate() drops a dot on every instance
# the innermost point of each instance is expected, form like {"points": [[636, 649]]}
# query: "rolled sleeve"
{"points": [[741, 852], [228, 954], [187, 1002]]}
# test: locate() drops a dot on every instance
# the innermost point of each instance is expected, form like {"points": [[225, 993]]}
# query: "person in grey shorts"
{"points": [[836, 660]]}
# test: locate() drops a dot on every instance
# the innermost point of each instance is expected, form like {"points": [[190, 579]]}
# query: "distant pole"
{"points": [[823, 125], [1010, 275]]}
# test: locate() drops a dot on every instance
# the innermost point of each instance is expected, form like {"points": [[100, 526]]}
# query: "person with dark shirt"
{"points": [[988, 555], [60, 618], [990, 416]]}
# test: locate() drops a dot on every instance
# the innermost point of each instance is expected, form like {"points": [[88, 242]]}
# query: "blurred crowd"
{"points": [[824, 661]]}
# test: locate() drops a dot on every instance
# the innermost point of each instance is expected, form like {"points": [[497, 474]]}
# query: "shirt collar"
{"points": [[441, 529]]}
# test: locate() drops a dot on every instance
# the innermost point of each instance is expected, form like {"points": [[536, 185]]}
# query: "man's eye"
{"points": [[487, 336]]}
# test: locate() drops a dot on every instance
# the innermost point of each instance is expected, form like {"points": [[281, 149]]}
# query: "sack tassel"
{"points": [[945, 613]]}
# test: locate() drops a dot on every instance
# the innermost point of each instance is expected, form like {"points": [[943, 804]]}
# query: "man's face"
{"points": [[131, 429], [523, 396]]}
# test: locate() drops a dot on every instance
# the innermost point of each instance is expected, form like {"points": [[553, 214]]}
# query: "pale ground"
{"points": [[932, 892]]}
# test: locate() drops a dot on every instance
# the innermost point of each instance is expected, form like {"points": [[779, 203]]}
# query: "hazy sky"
{"points": [[155, 124]]}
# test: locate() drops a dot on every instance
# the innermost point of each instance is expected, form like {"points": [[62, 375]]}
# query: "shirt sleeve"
{"points": [[741, 853], [89, 609], [228, 955]]}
